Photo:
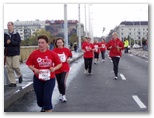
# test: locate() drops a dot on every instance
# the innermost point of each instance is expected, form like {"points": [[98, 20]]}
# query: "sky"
{"points": [[101, 15]]}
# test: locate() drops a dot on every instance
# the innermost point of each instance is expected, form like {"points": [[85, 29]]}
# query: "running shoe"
{"points": [[60, 97], [115, 77], [85, 71], [64, 98]]}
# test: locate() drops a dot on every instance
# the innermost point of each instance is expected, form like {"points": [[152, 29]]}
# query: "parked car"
{"points": [[136, 46]]}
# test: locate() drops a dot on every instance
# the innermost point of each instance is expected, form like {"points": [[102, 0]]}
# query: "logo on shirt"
{"points": [[44, 62], [88, 48], [62, 57]]}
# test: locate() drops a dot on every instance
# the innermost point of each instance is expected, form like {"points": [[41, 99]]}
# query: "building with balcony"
{"points": [[56, 27], [27, 28], [135, 30]]}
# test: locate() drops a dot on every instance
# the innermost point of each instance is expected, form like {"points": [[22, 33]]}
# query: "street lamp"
{"points": [[133, 35]]}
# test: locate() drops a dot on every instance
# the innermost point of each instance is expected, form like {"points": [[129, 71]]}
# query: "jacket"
{"points": [[114, 52], [13, 48]]}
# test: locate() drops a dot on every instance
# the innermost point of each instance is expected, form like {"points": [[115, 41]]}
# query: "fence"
{"points": [[25, 51]]}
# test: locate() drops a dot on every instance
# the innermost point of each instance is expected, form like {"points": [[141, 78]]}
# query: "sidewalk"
{"points": [[12, 94], [139, 52]]}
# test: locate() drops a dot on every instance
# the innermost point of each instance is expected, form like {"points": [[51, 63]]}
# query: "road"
{"points": [[99, 92]]}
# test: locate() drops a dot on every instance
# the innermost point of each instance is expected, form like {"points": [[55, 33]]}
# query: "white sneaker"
{"points": [[60, 97], [115, 77], [64, 98], [85, 72]]}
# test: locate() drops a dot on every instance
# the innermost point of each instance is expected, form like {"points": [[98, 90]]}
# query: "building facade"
{"points": [[136, 30], [27, 28], [55, 27]]}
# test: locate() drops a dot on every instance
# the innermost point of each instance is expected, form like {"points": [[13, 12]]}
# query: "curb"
{"points": [[140, 55], [17, 95]]}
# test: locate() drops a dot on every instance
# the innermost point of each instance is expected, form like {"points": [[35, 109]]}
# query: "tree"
{"points": [[73, 38], [32, 41]]}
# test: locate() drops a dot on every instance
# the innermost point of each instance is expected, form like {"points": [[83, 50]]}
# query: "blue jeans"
{"points": [[43, 91]]}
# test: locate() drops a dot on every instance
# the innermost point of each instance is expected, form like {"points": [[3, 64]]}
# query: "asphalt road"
{"points": [[99, 92]]}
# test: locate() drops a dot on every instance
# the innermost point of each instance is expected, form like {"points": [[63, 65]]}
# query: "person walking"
{"points": [[126, 44], [65, 56], [75, 46], [103, 49], [115, 45], [12, 51], [88, 50], [96, 51], [43, 62]]}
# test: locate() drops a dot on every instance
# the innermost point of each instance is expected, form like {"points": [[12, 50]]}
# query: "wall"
{"points": [[25, 51]]}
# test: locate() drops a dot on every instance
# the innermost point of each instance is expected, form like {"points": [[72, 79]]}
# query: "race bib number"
{"points": [[62, 57], [96, 47], [103, 45], [44, 74]]}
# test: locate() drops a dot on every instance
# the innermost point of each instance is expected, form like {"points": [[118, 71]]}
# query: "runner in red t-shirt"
{"points": [[115, 45], [96, 51], [61, 74], [88, 49], [44, 63], [102, 46]]}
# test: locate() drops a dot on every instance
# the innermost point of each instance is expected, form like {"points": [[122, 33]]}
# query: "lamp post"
{"points": [[79, 29], [65, 26], [85, 21], [140, 34], [133, 36]]}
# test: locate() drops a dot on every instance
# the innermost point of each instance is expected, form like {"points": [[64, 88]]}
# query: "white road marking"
{"points": [[131, 55], [138, 101], [122, 77]]}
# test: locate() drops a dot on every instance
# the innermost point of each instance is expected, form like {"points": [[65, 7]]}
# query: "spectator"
{"points": [[75, 46], [12, 51]]}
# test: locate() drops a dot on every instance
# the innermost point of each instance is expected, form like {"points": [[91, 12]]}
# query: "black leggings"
{"points": [[61, 82], [103, 54], [96, 55], [88, 64], [115, 64]]}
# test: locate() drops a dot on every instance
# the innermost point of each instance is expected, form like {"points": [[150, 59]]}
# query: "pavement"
{"points": [[139, 52], [11, 94]]}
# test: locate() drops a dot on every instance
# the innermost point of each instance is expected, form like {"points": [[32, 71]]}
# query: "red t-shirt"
{"points": [[102, 46], [87, 47], [43, 60], [96, 47], [114, 52], [64, 54]]}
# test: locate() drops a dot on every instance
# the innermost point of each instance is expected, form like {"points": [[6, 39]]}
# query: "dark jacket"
{"points": [[13, 48]]}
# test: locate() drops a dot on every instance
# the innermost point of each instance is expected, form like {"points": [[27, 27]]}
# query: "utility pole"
{"points": [[85, 21], [79, 29], [90, 25], [65, 26]]}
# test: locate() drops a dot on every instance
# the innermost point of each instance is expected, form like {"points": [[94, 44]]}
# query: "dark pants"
{"points": [[126, 49], [44, 90], [96, 55], [88, 64], [103, 54], [115, 64], [61, 82]]}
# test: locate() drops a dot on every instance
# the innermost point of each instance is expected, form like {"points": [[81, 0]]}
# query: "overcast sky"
{"points": [[102, 15]]}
